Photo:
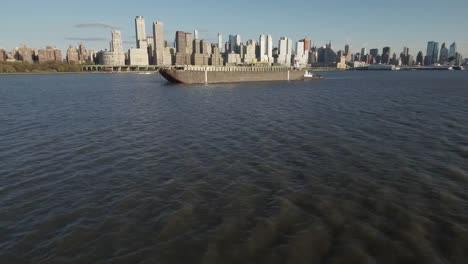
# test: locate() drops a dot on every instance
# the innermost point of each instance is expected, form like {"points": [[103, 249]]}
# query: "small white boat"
{"points": [[308, 74]]}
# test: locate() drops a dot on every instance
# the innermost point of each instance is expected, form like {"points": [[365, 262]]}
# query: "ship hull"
{"points": [[230, 75]]}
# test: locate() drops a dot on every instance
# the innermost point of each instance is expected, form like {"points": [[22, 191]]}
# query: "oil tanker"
{"points": [[230, 74]]}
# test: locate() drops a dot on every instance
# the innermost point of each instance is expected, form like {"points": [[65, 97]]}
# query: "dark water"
{"points": [[356, 168]]}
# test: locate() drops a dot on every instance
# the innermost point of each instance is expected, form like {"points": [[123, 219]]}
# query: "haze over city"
{"points": [[370, 24]]}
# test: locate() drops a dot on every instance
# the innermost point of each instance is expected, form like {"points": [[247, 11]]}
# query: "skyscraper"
{"points": [[159, 47], [220, 42], [195, 34], [346, 49], [453, 51], [420, 58], [269, 48], [444, 54], [140, 32], [301, 57], [116, 43], [386, 55], [285, 51], [183, 48], [405, 51], [432, 53], [238, 42], [263, 46], [363, 53], [116, 55], [232, 43], [249, 55], [374, 53], [188, 41]]}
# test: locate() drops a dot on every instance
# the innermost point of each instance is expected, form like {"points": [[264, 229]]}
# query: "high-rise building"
{"points": [[139, 55], [235, 43], [406, 51], [313, 55], [116, 42], [140, 32], [307, 44], [285, 51], [265, 44], [220, 42], [159, 43], [405, 57], [188, 40], [301, 58], [83, 55], [115, 55], [453, 51], [386, 55], [420, 58], [196, 46], [200, 55], [432, 53], [205, 47], [72, 55], [49, 54], [24, 53], [181, 45], [269, 48], [444, 54], [216, 59], [374, 56], [195, 34], [262, 45], [249, 54], [184, 48], [232, 44], [458, 59], [238, 41], [326, 56], [150, 41], [363, 54], [395, 60]]}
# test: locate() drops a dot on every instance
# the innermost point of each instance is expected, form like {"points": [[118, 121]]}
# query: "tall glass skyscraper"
{"points": [[432, 53], [453, 50]]}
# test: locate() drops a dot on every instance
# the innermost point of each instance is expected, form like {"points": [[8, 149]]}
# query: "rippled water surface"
{"points": [[356, 168]]}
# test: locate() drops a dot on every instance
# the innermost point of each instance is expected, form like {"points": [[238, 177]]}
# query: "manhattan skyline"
{"points": [[369, 24]]}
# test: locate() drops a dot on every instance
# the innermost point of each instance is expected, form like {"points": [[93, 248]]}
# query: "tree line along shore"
{"points": [[47, 67]]}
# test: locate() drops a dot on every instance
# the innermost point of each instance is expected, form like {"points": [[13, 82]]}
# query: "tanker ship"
{"points": [[230, 74]]}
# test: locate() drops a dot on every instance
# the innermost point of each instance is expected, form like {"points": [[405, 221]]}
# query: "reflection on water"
{"points": [[356, 168]]}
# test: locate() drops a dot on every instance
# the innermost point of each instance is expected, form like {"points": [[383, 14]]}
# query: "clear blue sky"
{"points": [[363, 23]]}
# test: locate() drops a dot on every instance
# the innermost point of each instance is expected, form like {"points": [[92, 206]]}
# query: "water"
{"points": [[365, 167]]}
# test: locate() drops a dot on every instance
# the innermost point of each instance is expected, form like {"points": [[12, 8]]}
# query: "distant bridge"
{"points": [[120, 68]]}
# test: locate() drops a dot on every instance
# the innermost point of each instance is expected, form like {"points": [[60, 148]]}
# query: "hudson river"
{"points": [[360, 167]]}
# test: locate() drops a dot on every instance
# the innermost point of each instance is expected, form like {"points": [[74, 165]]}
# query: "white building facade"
{"points": [[284, 51], [115, 56]]}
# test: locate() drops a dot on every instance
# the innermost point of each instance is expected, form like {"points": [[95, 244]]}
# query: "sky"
{"points": [[363, 23]]}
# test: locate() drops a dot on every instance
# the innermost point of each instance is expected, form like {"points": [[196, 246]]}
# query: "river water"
{"points": [[360, 167]]}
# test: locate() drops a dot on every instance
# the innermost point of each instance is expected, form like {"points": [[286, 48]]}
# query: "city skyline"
{"points": [[324, 24]]}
